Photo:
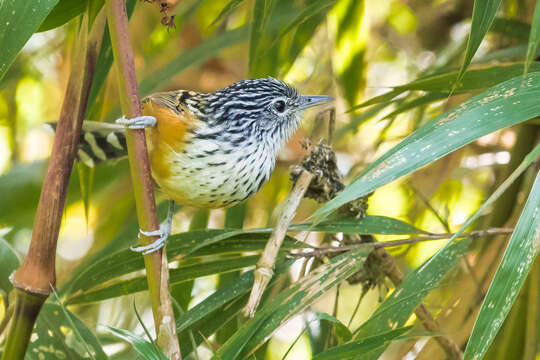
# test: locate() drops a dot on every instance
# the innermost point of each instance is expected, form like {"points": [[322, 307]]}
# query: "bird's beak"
{"points": [[310, 101]]}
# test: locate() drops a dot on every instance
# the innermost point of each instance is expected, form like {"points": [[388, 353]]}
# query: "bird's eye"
{"points": [[279, 106]]}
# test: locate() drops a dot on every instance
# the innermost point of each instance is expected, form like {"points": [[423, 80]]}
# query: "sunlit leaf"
{"points": [[208, 48], [484, 12], [179, 275], [50, 337], [9, 261], [534, 38], [474, 80], [257, 28], [65, 10], [231, 5], [362, 346], [368, 225], [194, 243], [224, 305], [144, 348], [290, 301], [397, 308], [503, 105], [510, 276], [103, 65], [312, 9], [18, 21]]}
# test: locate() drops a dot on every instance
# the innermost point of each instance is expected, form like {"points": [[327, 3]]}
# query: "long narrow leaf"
{"points": [[290, 301], [209, 48], [257, 28], [395, 310], [484, 12], [534, 38], [510, 276], [506, 104], [144, 348], [18, 21], [179, 275], [352, 349], [474, 80]]}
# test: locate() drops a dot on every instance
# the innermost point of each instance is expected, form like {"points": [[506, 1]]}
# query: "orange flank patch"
{"points": [[167, 138]]}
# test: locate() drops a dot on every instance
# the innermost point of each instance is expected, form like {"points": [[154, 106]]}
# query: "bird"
{"points": [[207, 150]]}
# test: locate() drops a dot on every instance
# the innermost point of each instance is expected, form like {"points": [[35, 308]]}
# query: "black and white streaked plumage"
{"points": [[207, 150], [212, 149]]}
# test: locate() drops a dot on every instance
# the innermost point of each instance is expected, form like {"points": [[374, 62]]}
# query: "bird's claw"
{"points": [[163, 233], [139, 122]]}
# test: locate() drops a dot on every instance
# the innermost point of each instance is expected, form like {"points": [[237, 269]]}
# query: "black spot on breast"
{"points": [[216, 163]]}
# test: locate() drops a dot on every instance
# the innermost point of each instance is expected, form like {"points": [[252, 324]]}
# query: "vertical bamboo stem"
{"points": [[141, 178], [35, 278]]}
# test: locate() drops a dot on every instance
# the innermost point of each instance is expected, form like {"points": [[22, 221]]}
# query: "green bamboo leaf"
{"points": [[194, 243], [257, 29], [342, 331], [312, 9], [209, 48], [352, 349], [103, 65], [240, 286], [144, 348], [50, 338], [214, 242], [506, 104], [199, 220], [483, 14], [397, 308], [534, 38], [474, 80], [65, 10], [224, 305], [368, 225], [359, 119], [417, 102], [9, 262], [179, 275], [512, 28], [291, 301], [301, 37], [510, 276], [231, 5], [18, 21], [234, 216]]}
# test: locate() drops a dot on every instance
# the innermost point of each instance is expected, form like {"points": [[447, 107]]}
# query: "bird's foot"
{"points": [[163, 233], [139, 122]]}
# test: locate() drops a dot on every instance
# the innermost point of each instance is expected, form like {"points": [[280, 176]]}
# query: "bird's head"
{"points": [[268, 107]]}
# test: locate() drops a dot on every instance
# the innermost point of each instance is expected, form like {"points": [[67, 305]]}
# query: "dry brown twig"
{"points": [[265, 266], [319, 251]]}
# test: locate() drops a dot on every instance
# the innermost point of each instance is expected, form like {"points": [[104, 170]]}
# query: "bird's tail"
{"points": [[99, 142]]}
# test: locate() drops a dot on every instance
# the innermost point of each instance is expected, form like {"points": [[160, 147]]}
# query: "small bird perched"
{"points": [[207, 150]]}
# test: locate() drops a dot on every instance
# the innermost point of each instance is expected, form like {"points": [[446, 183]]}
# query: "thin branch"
{"points": [[142, 179], [265, 266], [318, 251], [36, 276]]}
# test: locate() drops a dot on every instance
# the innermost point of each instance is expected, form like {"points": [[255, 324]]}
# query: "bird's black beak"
{"points": [[310, 101]]}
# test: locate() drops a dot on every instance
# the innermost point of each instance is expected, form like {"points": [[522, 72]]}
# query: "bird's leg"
{"points": [[163, 233], [139, 122]]}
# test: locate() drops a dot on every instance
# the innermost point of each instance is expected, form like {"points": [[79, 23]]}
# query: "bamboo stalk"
{"points": [[36, 277], [265, 266], [143, 187]]}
